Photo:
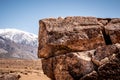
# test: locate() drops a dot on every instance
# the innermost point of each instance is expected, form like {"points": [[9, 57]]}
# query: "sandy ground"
{"points": [[33, 76], [27, 70]]}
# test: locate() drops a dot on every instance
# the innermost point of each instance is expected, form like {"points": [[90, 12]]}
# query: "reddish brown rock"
{"points": [[73, 33], [80, 48], [103, 54], [103, 21], [91, 76], [108, 69], [71, 66], [47, 65], [79, 66], [111, 69], [113, 30]]}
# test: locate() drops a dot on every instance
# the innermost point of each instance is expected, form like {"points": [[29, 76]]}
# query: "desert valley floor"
{"points": [[24, 69]]}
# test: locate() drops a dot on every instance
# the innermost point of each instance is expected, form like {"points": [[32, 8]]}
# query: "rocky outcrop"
{"points": [[80, 48], [113, 30]]}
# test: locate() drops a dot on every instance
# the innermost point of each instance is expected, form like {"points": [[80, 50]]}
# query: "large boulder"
{"points": [[71, 34], [80, 48], [69, 66], [113, 30], [103, 64], [108, 58]]}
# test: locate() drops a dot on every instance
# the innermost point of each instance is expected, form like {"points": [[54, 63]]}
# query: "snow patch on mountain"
{"points": [[19, 36]]}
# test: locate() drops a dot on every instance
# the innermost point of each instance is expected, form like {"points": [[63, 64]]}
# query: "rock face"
{"points": [[59, 36], [80, 48], [113, 30]]}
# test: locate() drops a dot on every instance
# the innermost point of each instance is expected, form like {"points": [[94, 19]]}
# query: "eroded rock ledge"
{"points": [[80, 48]]}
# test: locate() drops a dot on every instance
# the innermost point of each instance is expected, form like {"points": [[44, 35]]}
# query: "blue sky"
{"points": [[25, 14]]}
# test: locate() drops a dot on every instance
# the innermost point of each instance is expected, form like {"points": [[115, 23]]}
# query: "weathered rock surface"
{"points": [[80, 48], [69, 66], [59, 36], [113, 30]]}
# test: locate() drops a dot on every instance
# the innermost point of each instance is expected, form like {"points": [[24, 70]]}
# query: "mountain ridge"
{"points": [[15, 43], [15, 34]]}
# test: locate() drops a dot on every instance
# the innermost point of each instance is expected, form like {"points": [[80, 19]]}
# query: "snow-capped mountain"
{"points": [[18, 44], [19, 36]]}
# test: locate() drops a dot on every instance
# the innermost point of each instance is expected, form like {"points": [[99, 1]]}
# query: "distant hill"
{"points": [[18, 44]]}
